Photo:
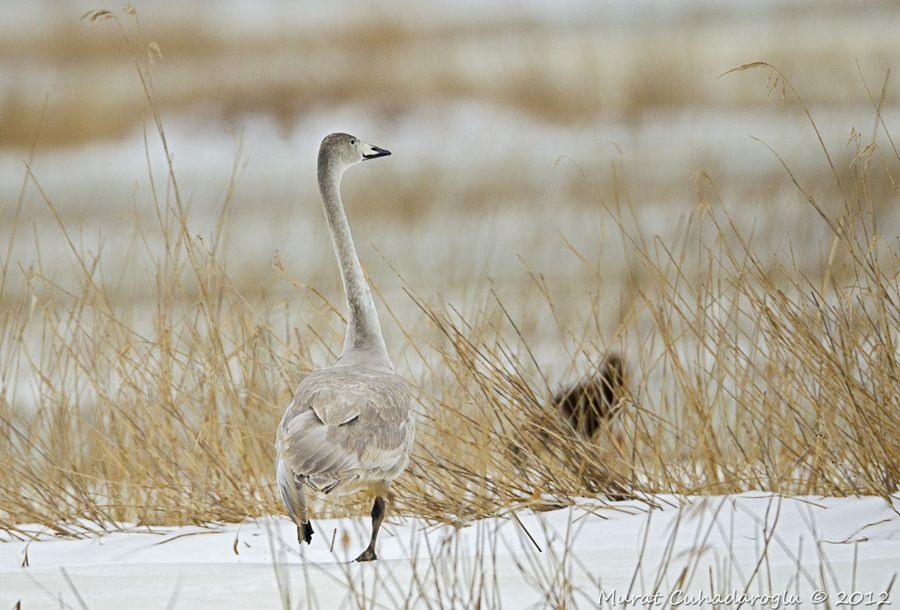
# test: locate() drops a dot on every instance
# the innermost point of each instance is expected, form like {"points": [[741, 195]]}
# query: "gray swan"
{"points": [[349, 427]]}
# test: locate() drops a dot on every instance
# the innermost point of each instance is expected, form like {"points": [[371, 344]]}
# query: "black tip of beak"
{"points": [[377, 152]]}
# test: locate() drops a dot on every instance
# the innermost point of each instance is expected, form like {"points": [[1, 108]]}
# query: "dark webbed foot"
{"points": [[367, 555], [305, 533]]}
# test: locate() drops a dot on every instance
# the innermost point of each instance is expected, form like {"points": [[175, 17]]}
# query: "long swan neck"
{"points": [[363, 340]]}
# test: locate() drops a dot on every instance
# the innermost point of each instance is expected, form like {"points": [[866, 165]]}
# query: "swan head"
{"points": [[345, 150]]}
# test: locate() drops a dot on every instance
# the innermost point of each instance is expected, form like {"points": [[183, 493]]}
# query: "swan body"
{"points": [[349, 427]]}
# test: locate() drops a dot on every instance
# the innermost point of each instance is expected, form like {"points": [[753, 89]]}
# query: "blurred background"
{"points": [[515, 128], [663, 179]]}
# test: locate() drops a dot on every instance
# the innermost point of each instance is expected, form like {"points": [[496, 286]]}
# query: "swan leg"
{"points": [[378, 510]]}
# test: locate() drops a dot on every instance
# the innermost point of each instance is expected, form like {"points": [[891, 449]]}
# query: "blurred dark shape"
{"points": [[595, 399], [545, 436]]}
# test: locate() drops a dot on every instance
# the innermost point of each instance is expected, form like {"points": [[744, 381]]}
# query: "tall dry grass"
{"points": [[746, 372]]}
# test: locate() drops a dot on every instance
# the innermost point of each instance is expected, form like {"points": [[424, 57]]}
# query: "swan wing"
{"points": [[346, 425]]}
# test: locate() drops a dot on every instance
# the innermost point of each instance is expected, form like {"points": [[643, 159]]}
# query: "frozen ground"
{"points": [[754, 543]]}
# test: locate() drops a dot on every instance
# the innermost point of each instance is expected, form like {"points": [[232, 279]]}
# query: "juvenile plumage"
{"points": [[349, 427]]}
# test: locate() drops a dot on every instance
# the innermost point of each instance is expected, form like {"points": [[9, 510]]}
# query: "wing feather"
{"points": [[346, 425]]}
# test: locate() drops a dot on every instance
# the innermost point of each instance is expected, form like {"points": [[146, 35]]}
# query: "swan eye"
{"points": [[352, 141]]}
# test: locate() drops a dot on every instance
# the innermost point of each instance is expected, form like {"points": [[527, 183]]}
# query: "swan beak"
{"points": [[376, 152]]}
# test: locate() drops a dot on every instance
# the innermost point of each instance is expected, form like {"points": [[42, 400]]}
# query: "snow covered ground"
{"points": [[755, 544]]}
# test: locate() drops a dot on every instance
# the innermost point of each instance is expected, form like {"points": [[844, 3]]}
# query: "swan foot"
{"points": [[367, 555], [305, 533]]}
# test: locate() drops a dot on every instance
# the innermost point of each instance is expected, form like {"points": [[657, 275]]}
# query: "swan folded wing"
{"points": [[387, 430], [339, 396], [342, 426], [309, 449], [335, 396], [335, 408]]}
